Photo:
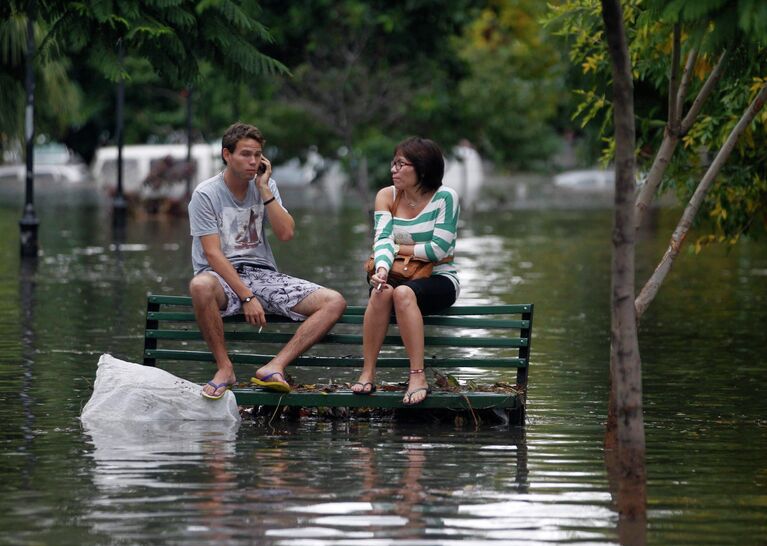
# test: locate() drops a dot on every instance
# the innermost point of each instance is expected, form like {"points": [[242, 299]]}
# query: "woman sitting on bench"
{"points": [[416, 216]]}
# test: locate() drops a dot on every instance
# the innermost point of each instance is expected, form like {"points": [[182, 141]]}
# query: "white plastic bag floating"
{"points": [[125, 391]]}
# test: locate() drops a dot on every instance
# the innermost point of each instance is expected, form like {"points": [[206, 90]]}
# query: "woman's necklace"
{"points": [[411, 204]]}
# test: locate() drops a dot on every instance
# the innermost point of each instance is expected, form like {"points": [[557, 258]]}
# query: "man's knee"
{"points": [[334, 302], [203, 286]]}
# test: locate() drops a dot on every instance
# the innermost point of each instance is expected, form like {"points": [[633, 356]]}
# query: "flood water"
{"points": [[319, 482]]}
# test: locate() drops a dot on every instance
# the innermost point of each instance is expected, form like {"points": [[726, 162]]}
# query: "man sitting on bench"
{"points": [[235, 271]]}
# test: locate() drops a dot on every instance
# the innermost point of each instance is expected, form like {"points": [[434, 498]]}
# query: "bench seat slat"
{"points": [[349, 339], [338, 361], [380, 399]]}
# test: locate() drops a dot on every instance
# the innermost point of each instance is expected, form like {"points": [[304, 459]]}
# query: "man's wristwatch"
{"points": [[246, 300]]}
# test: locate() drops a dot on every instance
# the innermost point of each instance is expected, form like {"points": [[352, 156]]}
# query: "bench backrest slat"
{"points": [[181, 316], [346, 339], [510, 309]]}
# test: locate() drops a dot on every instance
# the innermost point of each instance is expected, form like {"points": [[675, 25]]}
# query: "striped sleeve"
{"points": [[383, 244], [442, 243]]}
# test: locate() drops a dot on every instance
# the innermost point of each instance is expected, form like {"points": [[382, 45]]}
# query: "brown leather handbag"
{"points": [[404, 268]]}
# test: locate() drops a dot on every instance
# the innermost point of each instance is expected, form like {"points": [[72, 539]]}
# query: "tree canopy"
{"points": [[706, 29], [164, 41], [350, 77]]}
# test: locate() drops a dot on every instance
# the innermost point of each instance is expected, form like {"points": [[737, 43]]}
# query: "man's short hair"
{"points": [[237, 132]]}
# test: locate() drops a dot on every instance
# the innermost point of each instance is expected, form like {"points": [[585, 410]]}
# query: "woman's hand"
{"points": [[378, 280]]}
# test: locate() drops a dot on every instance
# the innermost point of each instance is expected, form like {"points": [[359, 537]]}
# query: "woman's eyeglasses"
{"points": [[398, 164]]}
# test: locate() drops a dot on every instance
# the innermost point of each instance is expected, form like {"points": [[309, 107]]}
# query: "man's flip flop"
{"points": [[277, 386], [215, 388], [373, 388], [407, 400]]}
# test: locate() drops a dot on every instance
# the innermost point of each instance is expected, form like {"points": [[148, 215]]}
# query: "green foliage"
{"points": [[61, 98], [166, 45], [736, 203], [174, 36], [511, 97], [482, 71], [364, 75], [353, 75]]}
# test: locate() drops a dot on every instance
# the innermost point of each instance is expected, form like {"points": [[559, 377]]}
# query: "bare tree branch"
{"points": [[703, 94], [692, 57], [671, 139], [650, 289]]}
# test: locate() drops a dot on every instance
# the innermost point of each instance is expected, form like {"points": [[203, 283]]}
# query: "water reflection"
{"points": [[382, 483], [385, 483], [185, 467], [27, 282]]}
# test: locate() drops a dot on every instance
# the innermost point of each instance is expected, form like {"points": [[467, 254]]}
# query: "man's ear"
{"points": [[225, 155]]}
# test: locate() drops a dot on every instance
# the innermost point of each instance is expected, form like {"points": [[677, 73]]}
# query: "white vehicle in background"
{"points": [[140, 159], [53, 162], [586, 180]]}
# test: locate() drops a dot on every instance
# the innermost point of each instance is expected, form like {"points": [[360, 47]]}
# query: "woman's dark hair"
{"points": [[237, 132], [428, 162]]}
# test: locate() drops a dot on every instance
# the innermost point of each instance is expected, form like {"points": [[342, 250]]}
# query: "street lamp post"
{"points": [[29, 222], [119, 204], [189, 141]]}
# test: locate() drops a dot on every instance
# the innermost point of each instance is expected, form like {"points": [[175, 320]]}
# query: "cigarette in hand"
{"points": [[260, 328], [380, 284]]}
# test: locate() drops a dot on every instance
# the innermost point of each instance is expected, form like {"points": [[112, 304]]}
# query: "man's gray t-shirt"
{"points": [[240, 225]]}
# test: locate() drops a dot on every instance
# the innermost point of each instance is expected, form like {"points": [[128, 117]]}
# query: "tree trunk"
{"points": [[625, 364], [650, 289]]}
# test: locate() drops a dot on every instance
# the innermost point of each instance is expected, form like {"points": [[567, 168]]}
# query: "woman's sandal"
{"points": [[407, 400], [362, 391]]}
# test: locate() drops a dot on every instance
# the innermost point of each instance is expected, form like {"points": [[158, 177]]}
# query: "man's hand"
{"points": [[254, 313], [262, 180]]}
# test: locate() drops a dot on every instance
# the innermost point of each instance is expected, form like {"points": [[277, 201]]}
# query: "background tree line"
{"points": [[353, 77]]}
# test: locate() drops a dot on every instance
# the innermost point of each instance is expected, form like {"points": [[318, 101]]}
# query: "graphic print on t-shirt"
{"points": [[241, 229]]}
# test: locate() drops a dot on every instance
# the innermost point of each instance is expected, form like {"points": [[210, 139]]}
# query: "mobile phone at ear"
{"points": [[261, 169]]}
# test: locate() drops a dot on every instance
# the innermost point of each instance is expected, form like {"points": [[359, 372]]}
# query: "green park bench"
{"points": [[476, 337]]}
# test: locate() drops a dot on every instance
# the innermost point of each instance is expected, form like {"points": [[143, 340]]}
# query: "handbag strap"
{"points": [[409, 258], [395, 203]]}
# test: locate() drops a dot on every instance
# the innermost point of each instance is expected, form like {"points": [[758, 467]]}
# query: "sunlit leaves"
{"points": [[707, 26]]}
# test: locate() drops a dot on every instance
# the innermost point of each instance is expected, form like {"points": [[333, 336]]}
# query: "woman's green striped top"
{"points": [[433, 232]]}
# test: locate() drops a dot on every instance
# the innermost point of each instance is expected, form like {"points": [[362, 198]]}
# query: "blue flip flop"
{"points": [[215, 388], [277, 386]]}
